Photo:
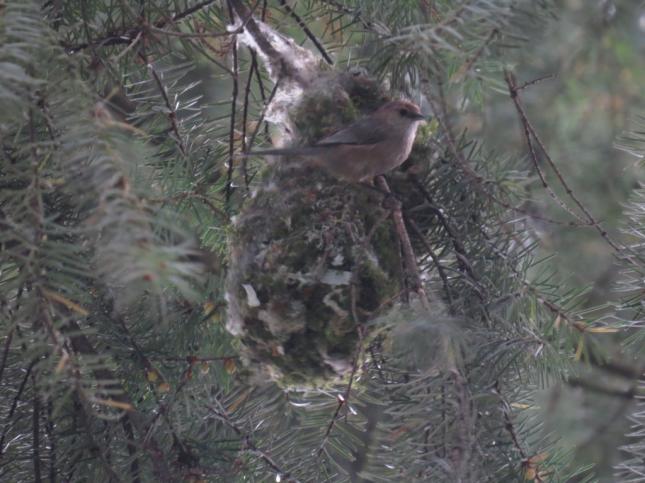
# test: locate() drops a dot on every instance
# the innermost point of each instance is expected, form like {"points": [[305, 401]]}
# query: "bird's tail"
{"points": [[293, 151]]}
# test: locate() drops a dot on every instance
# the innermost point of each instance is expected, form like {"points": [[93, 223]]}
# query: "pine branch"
{"points": [[129, 35]]}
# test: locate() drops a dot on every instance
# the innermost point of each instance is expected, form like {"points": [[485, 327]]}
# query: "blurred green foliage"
{"points": [[594, 52]]}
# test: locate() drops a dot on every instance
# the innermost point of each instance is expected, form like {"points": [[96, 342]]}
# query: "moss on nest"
{"points": [[302, 272], [298, 261]]}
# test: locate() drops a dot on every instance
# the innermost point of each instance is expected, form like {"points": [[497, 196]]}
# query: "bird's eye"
{"points": [[403, 112]]}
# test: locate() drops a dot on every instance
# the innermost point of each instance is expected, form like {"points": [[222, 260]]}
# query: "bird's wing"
{"points": [[363, 131]]}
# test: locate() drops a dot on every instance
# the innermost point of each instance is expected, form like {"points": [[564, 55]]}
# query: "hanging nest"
{"points": [[311, 258]]}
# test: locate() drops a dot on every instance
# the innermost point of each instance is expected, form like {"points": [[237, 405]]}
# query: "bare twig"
{"points": [[194, 35], [533, 154], [307, 32], [412, 267], [129, 35], [530, 134], [231, 137], [534, 81], [5, 352], [245, 111], [264, 45], [354, 14], [283, 64], [261, 118]]}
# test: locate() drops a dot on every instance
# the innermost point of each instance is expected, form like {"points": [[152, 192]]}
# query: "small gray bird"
{"points": [[371, 146]]}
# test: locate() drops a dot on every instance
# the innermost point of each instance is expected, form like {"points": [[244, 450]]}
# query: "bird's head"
{"points": [[400, 113]]}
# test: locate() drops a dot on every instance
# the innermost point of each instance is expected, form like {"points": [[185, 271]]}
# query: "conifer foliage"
{"points": [[122, 187]]}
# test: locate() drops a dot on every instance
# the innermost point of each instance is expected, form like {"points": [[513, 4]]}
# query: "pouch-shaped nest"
{"points": [[311, 257], [303, 273]]}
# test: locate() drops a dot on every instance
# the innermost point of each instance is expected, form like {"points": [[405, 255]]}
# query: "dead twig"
{"points": [[129, 35], [411, 265], [231, 136], [307, 32], [530, 135]]}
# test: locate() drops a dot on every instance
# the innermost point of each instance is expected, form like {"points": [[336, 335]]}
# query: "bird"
{"points": [[368, 147]]}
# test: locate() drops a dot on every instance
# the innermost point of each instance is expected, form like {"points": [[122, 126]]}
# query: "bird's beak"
{"points": [[419, 117]]}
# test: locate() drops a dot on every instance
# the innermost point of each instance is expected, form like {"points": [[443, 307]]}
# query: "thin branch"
{"points": [[204, 35], [172, 115], [163, 406], [93, 445], [616, 367], [251, 446], [245, 111], [14, 405], [556, 309], [192, 194], [127, 36], [530, 134], [231, 134], [533, 154], [599, 388], [5, 352], [193, 35], [82, 345], [185, 13], [284, 65], [264, 45], [343, 400], [49, 431], [355, 14], [132, 450], [412, 267], [261, 118], [307, 32], [534, 81], [440, 108], [435, 260], [200, 48], [463, 261], [463, 70], [36, 433], [264, 10], [510, 427]]}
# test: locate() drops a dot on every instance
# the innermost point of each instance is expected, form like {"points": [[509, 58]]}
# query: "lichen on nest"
{"points": [[303, 274], [311, 257]]}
